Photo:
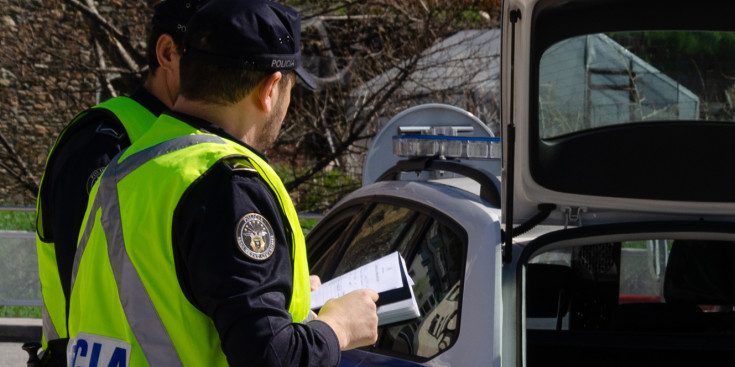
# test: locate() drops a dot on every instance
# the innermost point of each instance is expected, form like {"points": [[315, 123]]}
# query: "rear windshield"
{"points": [[604, 79]]}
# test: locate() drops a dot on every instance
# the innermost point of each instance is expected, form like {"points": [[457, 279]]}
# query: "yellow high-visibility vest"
{"points": [[136, 119], [126, 296]]}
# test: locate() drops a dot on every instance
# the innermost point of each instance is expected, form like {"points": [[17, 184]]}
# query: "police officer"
{"points": [[191, 251], [80, 154]]}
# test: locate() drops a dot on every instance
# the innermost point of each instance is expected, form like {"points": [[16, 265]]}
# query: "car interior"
{"points": [[604, 304]]}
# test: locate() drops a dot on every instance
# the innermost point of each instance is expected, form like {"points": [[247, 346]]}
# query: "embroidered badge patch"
{"points": [[93, 178], [255, 237]]}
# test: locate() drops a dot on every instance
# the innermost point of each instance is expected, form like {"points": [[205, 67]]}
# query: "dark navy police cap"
{"points": [[253, 34], [172, 15]]}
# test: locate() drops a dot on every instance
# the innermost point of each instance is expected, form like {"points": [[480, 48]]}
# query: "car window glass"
{"points": [[436, 270], [412, 232], [339, 228], [642, 266], [376, 237], [434, 255], [598, 80]]}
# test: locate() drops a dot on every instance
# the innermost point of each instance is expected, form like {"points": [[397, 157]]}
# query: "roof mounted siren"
{"points": [[444, 142], [436, 132]]}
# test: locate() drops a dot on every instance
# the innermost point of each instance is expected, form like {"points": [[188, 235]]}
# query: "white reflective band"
{"points": [[89, 350], [49, 329], [140, 312]]}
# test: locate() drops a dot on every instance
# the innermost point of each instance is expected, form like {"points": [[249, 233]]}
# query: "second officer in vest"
{"points": [[191, 251], [82, 151]]}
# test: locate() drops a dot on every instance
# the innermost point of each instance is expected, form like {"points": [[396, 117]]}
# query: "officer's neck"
{"points": [[157, 84], [242, 120]]}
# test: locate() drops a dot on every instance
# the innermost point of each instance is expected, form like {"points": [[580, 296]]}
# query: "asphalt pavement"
{"points": [[13, 332], [12, 356]]}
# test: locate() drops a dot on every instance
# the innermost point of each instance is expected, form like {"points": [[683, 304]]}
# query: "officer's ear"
{"points": [[167, 54], [268, 91]]}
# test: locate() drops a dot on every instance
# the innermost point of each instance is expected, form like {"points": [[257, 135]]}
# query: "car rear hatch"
{"points": [[618, 130], [612, 115]]}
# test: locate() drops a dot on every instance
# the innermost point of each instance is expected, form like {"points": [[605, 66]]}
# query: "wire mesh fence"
{"points": [[19, 282]]}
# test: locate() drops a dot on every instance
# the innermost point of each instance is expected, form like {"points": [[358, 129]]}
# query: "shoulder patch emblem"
{"points": [[93, 178], [255, 237]]}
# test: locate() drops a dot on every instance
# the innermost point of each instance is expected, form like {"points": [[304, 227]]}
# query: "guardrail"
{"points": [[19, 285], [6, 208], [19, 281]]}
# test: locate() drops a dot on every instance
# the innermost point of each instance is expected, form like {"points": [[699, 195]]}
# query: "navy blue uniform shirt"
{"points": [[247, 299], [70, 173]]}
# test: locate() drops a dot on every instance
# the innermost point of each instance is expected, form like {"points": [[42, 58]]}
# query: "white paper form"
{"points": [[380, 275]]}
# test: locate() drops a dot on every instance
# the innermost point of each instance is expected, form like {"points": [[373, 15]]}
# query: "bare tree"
{"points": [[84, 51], [59, 57], [371, 40]]}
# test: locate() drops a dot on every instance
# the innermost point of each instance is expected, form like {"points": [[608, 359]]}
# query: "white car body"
{"points": [[616, 173]]}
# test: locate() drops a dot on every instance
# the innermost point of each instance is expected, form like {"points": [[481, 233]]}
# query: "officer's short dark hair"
{"points": [[170, 17], [212, 82]]}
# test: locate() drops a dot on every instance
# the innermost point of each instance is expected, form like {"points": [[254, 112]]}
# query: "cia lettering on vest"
{"points": [[89, 350]]}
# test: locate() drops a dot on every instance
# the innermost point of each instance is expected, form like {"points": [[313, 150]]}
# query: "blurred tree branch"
{"points": [[16, 166], [346, 43]]}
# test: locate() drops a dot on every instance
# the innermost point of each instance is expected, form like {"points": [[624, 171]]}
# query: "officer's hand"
{"points": [[315, 282], [353, 318]]}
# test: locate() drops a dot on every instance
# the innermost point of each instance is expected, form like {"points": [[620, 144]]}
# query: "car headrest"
{"points": [[700, 272]]}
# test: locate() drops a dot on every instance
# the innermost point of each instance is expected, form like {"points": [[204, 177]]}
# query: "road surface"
{"points": [[18, 330], [12, 356]]}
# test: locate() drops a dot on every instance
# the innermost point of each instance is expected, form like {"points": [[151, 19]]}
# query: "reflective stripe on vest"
{"points": [[147, 327], [145, 323], [136, 119]]}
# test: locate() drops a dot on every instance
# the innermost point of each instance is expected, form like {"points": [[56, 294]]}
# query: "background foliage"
{"points": [[61, 56]]}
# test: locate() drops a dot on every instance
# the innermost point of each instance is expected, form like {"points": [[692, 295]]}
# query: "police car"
{"points": [[603, 235]]}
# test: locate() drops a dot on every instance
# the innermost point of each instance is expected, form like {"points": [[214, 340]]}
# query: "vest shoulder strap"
{"points": [[134, 117], [131, 115], [240, 164]]}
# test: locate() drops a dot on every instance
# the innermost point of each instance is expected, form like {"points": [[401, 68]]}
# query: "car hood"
{"points": [[677, 165]]}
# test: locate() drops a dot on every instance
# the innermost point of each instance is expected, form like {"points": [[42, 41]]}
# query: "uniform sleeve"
{"points": [[71, 171], [246, 297]]}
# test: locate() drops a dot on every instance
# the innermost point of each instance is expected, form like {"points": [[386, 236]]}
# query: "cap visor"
{"points": [[305, 77]]}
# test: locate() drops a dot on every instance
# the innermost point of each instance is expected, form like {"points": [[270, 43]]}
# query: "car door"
{"points": [[434, 248]]}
